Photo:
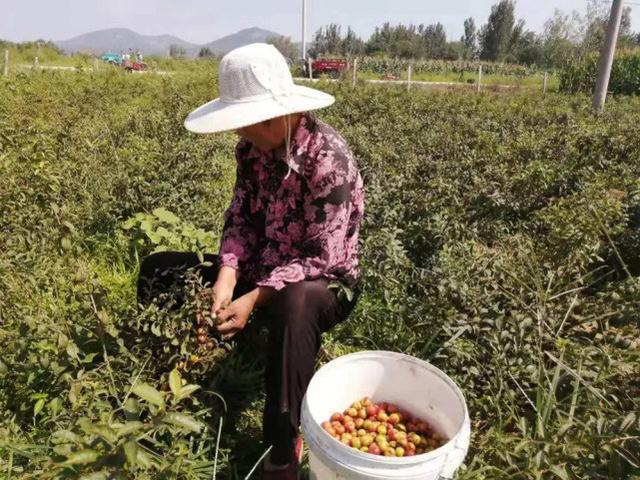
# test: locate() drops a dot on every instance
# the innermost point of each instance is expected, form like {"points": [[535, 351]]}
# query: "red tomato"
{"points": [[372, 410]]}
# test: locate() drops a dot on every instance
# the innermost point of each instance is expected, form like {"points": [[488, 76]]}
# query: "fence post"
{"points": [[409, 78], [354, 73], [310, 63], [479, 78], [544, 83], [5, 68]]}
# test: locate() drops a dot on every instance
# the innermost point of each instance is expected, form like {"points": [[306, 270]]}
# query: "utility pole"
{"points": [[606, 56], [304, 29]]}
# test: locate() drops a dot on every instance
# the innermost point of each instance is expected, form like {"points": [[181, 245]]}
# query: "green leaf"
{"points": [[163, 232], [72, 350], [155, 329], [65, 243], [175, 382], [143, 459], [145, 226], [55, 405], [559, 471], [128, 428], [131, 452], [148, 393], [102, 475], [155, 238], [629, 420], [186, 391], [349, 293], [130, 223], [70, 226], [131, 406], [37, 408], [82, 457], [166, 216], [64, 449], [104, 431], [3, 368], [181, 420], [65, 436]]}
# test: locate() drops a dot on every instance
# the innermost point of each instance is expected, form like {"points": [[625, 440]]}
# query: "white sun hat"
{"points": [[255, 85]]}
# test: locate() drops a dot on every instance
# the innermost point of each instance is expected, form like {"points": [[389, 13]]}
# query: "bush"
{"points": [[500, 243], [580, 74], [382, 65]]}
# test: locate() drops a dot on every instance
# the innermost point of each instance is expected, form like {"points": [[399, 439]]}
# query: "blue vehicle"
{"points": [[112, 58]]}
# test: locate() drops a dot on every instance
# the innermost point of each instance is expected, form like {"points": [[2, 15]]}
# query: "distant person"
{"points": [[138, 56], [291, 229]]}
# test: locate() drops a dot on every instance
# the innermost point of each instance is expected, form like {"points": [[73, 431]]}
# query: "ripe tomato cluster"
{"points": [[382, 429], [205, 319], [204, 341]]}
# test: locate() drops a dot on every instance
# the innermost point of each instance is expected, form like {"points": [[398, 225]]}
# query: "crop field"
{"points": [[501, 243]]}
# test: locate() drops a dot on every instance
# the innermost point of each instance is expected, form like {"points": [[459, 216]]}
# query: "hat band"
{"points": [[254, 98]]}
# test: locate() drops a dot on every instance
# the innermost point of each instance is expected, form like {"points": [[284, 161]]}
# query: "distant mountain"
{"points": [[243, 37], [123, 39]]}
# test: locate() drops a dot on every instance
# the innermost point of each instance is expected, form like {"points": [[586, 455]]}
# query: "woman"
{"points": [[291, 230]]}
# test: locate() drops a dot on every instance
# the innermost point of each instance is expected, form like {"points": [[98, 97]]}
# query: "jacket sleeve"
{"points": [[239, 237]]}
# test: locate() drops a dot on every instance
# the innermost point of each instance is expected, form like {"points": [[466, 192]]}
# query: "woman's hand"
{"points": [[222, 290], [222, 295], [235, 317]]}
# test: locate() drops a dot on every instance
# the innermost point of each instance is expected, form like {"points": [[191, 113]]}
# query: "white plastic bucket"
{"points": [[415, 386]]}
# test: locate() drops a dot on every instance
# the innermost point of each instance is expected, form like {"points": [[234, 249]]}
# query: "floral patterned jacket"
{"points": [[295, 218]]}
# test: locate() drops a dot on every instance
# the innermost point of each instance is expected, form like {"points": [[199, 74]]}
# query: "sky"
{"points": [[201, 21]]}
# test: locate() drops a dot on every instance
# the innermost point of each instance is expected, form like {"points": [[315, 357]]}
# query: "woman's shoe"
{"points": [[285, 472]]}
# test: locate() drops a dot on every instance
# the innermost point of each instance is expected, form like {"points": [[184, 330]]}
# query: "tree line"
{"points": [[503, 38]]}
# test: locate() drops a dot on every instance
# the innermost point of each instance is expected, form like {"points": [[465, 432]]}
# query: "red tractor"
{"points": [[131, 66], [331, 67]]}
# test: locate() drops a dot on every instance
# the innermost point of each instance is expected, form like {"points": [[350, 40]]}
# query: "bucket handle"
{"points": [[456, 456]]}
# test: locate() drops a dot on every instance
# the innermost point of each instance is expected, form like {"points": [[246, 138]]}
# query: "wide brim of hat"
{"points": [[219, 116]]}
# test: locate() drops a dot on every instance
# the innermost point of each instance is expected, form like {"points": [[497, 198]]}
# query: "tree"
{"points": [[470, 39], [496, 35], [560, 38], [435, 41], [176, 51], [206, 52], [381, 40], [285, 46], [595, 27], [527, 49], [351, 44], [327, 40]]}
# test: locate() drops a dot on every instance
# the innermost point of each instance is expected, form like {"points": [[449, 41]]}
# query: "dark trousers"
{"points": [[296, 317]]}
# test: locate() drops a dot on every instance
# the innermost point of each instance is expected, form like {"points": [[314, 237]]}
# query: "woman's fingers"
{"points": [[219, 306], [225, 314], [230, 326]]}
